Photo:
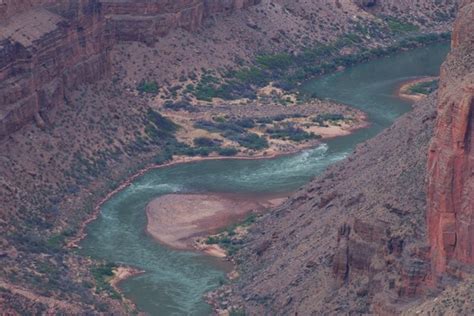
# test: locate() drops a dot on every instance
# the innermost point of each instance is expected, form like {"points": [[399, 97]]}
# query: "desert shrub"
{"points": [[289, 132], [179, 105], [251, 141], [160, 122], [205, 142], [219, 119], [252, 75], [321, 118], [397, 26], [227, 151], [207, 126], [424, 87], [279, 61], [264, 120], [102, 274], [230, 127], [148, 87], [245, 123]]}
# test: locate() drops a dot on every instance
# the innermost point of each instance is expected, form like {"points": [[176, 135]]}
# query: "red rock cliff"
{"points": [[48, 47], [46, 51], [145, 20], [451, 158]]}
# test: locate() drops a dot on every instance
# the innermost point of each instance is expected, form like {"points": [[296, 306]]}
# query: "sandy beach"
{"points": [[176, 219]]}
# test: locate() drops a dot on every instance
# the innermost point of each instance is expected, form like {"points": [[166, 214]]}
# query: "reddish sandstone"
{"points": [[451, 158]]}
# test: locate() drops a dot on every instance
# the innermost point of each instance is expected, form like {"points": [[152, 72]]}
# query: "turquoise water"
{"points": [[175, 281]]}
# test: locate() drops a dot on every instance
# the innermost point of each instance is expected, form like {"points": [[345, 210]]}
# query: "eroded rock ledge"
{"points": [[48, 48]]}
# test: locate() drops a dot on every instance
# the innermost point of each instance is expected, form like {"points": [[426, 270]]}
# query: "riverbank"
{"points": [[276, 148], [122, 273], [74, 242], [404, 91]]}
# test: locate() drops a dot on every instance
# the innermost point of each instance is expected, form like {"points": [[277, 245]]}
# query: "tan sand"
{"points": [[175, 219]]}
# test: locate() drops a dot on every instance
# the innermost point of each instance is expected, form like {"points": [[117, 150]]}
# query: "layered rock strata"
{"points": [[146, 21], [48, 47], [451, 158], [44, 53]]}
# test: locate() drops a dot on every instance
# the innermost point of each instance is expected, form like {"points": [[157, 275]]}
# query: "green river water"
{"points": [[175, 281]]}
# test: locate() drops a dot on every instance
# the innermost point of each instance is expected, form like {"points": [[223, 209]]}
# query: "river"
{"points": [[175, 281]]}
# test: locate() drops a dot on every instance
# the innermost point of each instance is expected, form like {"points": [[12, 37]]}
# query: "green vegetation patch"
{"points": [[102, 275], [158, 128], [150, 87], [400, 27], [251, 141], [57, 241], [287, 70], [328, 117], [235, 130], [228, 238], [426, 87], [290, 132]]}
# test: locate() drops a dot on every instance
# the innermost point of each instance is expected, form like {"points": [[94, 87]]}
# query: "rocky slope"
{"points": [[89, 137], [366, 237]]}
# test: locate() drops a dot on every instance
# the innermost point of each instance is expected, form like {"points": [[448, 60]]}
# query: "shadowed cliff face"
{"points": [[451, 158]]}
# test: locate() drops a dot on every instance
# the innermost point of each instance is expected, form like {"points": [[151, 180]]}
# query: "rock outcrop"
{"points": [[146, 21], [451, 158], [44, 53], [49, 47]]}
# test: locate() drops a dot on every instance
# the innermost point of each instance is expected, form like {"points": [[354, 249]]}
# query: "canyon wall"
{"points": [[451, 159], [48, 47], [146, 21], [46, 52]]}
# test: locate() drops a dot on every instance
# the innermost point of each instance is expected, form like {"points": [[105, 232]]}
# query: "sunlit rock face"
{"points": [[451, 158]]}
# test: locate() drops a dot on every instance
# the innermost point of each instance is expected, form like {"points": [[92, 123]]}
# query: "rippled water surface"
{"points": [[175, 281]]}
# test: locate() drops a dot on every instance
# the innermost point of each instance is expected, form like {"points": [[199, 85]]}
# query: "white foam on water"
{"points": [[285, 167], [154, 187]]}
